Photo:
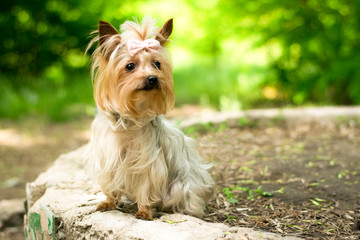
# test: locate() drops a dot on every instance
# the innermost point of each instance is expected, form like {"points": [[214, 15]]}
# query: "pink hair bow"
{"points": [[135, 46]]}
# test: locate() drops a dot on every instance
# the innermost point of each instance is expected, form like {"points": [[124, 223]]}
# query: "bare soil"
{"points": [[291, 178], [294, 179]]}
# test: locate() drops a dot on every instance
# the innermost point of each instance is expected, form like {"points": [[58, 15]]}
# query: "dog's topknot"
{"points": [[140, 31]]}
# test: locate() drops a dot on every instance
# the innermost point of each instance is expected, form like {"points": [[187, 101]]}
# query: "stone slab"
{"points": [[61, 205], [301, 114]]}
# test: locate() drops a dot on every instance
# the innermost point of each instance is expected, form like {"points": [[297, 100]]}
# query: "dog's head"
{"points": [[132, 72]]}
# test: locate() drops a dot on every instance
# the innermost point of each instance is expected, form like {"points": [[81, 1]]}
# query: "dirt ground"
{"points": [[300, 179], [297, 179]]}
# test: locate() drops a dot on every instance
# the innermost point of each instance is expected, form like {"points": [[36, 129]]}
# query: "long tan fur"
{"points": [[133, 150]]}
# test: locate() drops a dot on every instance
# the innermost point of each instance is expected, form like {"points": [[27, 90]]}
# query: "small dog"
{"points": [[133, 151]]}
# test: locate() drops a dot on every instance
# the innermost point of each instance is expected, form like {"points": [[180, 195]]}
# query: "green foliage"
{"points": [[227, 54], [58, 101], [37, 34], [319, 54]]}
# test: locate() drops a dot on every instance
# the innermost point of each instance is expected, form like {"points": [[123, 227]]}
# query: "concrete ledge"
{"points": [[303, 114], [60, 205]]}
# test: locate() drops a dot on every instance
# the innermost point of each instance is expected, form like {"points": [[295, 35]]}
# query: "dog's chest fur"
{"points": [[135, 160]]}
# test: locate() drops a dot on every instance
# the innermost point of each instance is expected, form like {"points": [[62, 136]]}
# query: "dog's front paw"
{"points": [[144, 212], [106, 206], [144, 215]]}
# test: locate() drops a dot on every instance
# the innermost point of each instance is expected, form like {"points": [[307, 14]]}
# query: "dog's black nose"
{"points": [[151, 83], [152, 80]]}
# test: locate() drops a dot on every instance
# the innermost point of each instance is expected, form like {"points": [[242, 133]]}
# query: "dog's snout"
{"points": [[151, 83]]}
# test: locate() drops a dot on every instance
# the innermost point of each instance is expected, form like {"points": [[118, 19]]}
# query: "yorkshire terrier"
{"points": [[133, 151]]}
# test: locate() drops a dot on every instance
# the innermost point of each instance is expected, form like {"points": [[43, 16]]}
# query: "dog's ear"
{"points": [[165, 32], [105, 31]]}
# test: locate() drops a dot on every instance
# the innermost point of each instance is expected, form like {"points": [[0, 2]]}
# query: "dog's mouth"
{"points": [[149, 88]]}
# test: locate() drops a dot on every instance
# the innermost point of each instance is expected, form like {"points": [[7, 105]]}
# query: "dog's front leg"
{"points": [[110, 202], [144, 212], [107, 205]]}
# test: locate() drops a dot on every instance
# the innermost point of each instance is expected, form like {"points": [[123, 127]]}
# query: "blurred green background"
{"points": [[228, 54]]}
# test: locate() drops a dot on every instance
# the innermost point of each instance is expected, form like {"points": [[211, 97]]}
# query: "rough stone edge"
{"points": [[77, 214], [78, 218], [301, 114]]}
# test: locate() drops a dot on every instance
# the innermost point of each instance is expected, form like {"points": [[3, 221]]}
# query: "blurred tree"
{"points": [[244, 52], [319, 41], [36, 34]]}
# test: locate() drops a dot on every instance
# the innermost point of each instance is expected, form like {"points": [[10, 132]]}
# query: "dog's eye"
{"points": [[130, 66], [157, 64]]}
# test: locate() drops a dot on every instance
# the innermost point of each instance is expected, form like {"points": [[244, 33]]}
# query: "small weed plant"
{"points": [[233, 194]]}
